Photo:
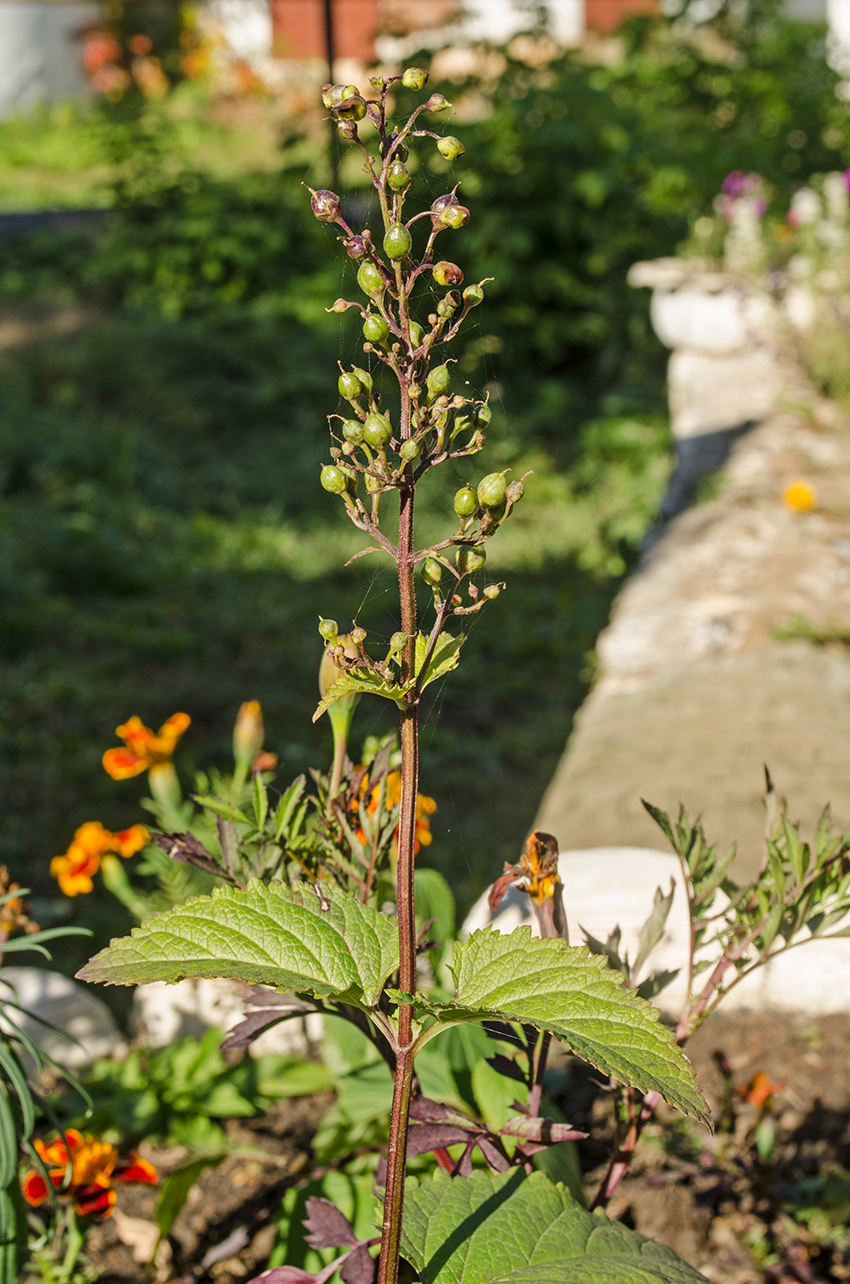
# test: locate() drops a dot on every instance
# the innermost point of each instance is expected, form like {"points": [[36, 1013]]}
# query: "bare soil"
{"points": [[707, 1197]]}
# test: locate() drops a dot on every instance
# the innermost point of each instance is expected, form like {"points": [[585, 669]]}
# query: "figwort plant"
{"points": [[306, 909]]}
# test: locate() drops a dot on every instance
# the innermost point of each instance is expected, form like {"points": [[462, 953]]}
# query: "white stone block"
{"points": [[65, 1004], [723, 322], [711, 392], [609, 886], [163, 1013]]}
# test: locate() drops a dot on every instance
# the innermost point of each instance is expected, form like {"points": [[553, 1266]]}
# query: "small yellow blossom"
{"points": [[800, 495]]}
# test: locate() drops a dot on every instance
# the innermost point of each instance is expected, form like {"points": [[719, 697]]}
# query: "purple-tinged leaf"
{"points": [[464, 1164], [423, 1138], [327, 1227], [254, 1024], [284, 1275], [424, 1110], [187, 849], [540, 1130], [493, 1154], [359, 1266]]}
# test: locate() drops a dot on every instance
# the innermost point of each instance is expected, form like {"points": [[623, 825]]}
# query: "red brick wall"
{"points": [[604, 16], [299, 28]]}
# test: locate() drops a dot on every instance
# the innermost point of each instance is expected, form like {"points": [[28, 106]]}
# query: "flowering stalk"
{"points": [[372, 456]]}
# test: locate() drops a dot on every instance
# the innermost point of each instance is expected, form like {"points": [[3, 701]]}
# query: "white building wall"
{"points": [[41, 52]]}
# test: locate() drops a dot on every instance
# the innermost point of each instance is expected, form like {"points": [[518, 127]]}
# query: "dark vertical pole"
{"points": [[330, 54]]}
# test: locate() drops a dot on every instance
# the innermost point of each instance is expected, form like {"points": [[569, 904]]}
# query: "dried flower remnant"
{"points": [[75, 869], [95, 1168], [537, 875]]}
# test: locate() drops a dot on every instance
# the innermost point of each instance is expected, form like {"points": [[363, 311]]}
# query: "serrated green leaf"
{"points": [[663, 822], [261, 800], [565, 989], [317, 940], [445, 657], [493, 1227], [650, 933], [220, 807], [361, 681]]}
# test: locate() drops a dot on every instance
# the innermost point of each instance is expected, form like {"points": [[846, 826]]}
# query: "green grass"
{"points": [[167, 546]]}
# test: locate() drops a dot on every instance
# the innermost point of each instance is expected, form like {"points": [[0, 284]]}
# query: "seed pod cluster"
{"points": [[397, 269]]}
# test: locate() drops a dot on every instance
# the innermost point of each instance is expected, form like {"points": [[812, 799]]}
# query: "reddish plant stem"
{"points": [[403, 1083]]}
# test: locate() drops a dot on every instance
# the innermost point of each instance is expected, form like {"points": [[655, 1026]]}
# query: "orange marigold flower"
{"points": [[144, 749], [425, 807], [84, 1171], [75, 870], [759, 1091]]}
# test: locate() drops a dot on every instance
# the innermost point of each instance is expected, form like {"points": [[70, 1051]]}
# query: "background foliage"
{"points": [[164, 541]]}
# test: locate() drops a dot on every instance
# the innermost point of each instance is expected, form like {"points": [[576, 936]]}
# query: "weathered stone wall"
{"points": [[695, 689]]}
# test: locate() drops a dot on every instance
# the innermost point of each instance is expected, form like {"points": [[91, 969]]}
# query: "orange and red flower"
{"points": [[759, 1091], [144, 749], [95, 1167], [76, 868], [425, 807]]}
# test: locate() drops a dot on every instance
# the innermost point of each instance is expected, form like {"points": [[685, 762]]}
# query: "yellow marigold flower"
{"points": [[95, 1168], [801, 496], [92, 841], [144, 749]]}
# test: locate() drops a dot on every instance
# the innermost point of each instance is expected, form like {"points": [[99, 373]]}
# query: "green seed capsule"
{"points": [[437, 103], [375, 328], [415, 334], [377, 431], [515, 492], [398, 642], [328, 629], [450, 147], [492, 490], [349, 386], [370, 280], [483, 415], [454, 216], [414, 77], [352, 108], [438, 380], [333, 479], [364, 377], [398, 177], [473, 295], [492, 591], [397, 242], [352, 430], [466, 502], [432, 572], [409, 451], [470, 559]]}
